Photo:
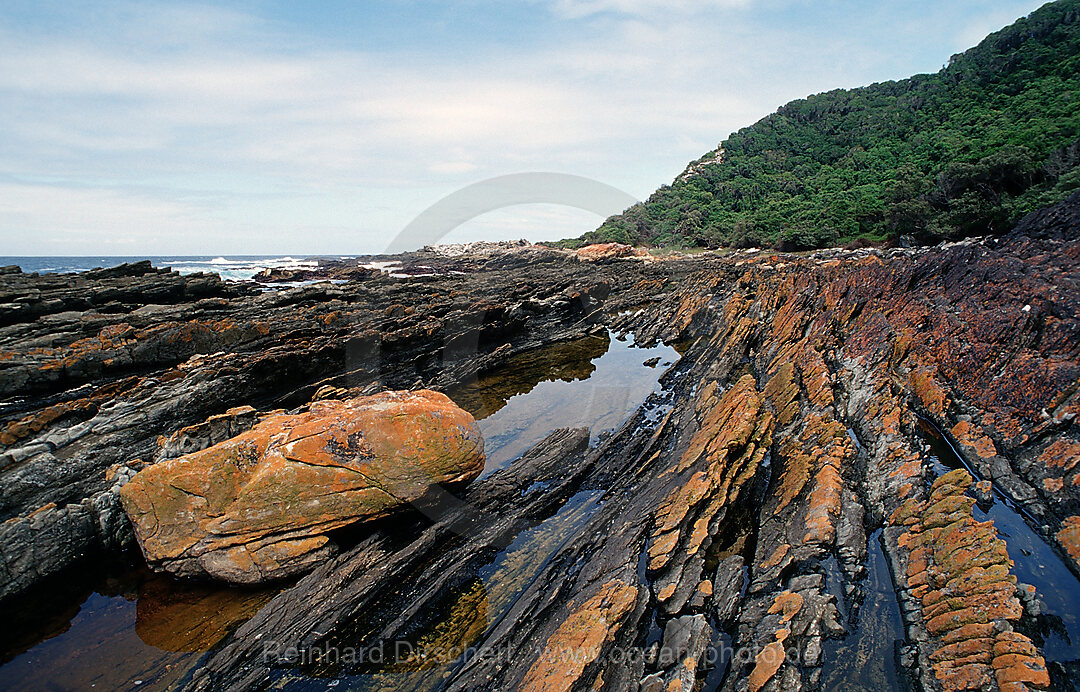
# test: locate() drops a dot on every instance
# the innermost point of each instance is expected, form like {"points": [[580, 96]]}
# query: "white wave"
{"points": [[241, 269], [384, 266]]}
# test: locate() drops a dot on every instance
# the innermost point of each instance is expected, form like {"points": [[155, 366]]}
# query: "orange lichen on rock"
{"points": [[768, 661], [788, 603], [802, 359], [661, 546], [732, 440], [908, 513], [929, 392], [688, 309], [1059, 460], [674, 509], [181, 340], [777, 557], [783, 393], [960, 570], [797, 467], [972, 437], [580, 639], [968, 673], [824, 506], [603, 251], [821, 449], [83, 408], [815, 377], [1069, 537], [1017, 663], [788, 319], [728, 424], [36, 422], [257, 506]]}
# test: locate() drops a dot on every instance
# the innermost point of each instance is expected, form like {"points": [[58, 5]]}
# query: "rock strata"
{"points": [[152, 374]]}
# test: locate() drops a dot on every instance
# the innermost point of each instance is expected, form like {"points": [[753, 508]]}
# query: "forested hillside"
{"points": [[968, 150]]}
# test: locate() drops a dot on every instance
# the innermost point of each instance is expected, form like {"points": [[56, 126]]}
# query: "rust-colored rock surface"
{"points": [[258, 506], [606, 251], [580, 639], [970, 437], [959, 570], [1069, 536]]}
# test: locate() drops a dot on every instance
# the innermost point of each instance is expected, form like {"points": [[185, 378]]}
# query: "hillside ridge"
{"points": [[969, 150]]}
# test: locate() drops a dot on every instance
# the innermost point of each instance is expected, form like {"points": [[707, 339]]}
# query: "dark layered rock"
{"points": [[127, 383], [28, 297]]}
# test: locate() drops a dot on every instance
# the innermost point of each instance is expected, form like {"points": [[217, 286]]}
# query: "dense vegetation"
{"points": [[968, 150]]}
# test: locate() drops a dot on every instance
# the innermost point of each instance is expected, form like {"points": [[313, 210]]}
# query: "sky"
{"points": [[280, 127]]}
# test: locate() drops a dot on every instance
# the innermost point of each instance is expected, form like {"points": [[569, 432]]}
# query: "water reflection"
{"points": [[182, 617], [866, 658], [452, 633], [568, 361], [115, 625], [596, 382], [440, 639]]}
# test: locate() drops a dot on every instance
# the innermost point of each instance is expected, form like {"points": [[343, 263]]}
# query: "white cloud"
{"points": [[227, 126], [576, 9], [335, 114], [452, 167], [318, 122], [70, 220]]}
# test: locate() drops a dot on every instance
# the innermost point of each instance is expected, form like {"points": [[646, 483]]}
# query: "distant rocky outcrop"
{"points": [[608, 251], [336, 269], [258, 507], [476, 250], [27, 297]]}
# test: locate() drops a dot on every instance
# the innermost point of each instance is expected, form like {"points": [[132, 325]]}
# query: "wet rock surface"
{"points": [[719, 538]]}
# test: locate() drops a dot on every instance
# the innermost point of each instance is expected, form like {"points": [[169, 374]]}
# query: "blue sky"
{"points": [[284, 127]]}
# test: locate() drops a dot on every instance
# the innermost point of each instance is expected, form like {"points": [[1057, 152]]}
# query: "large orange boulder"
{"points": [[258, 506], [605, 251]]}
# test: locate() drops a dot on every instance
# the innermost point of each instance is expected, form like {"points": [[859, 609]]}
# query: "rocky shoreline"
{"points": [[735, 513]]}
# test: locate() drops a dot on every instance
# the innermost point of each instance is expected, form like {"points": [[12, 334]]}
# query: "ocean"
{"points": [[233, 267]]}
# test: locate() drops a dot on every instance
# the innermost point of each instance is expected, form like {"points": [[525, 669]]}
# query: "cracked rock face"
{"points": [[258, 506]]}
